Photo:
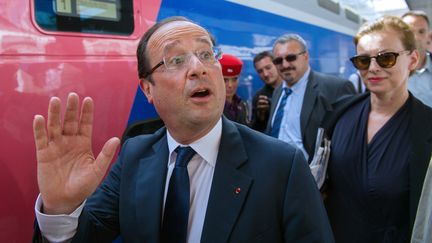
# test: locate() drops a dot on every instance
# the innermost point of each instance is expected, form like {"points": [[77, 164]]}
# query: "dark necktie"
{"points": [[280, 113], [176, 213]]}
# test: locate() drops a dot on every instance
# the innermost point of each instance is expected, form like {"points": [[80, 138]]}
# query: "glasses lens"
{"points": [[290, 58], [387, 59], [217, 53], [277, 61], [361, 62]]}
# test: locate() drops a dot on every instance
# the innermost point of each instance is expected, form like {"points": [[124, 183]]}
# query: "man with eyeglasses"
{"points": [[300, 103], [420, 81], [201, 178]]}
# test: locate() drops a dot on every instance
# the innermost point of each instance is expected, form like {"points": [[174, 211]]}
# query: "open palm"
{"points": [[68, 172]]}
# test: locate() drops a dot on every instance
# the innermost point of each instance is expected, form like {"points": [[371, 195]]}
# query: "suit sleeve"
{"points": [[99, 220], [304, 215]]}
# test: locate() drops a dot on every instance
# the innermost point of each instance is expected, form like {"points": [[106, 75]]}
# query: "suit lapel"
{"points": [[229, 187], [275, 98], [149, 190], [309, 101]]}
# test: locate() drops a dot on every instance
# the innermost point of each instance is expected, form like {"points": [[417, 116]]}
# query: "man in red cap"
{"points": [[235, 108]]}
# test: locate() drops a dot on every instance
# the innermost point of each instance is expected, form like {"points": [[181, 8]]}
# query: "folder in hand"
{"points": [[319, 163]]}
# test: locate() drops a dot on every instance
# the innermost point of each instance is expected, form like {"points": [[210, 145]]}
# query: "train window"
{"points": [[86, 16]]}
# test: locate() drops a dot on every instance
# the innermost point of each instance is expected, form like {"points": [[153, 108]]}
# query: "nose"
{"points": [[285, 63], [373, 66], [228, 84], [196, 69]]}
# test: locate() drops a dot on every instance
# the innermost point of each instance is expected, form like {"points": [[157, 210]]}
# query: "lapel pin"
{"points": [[237, 190]]}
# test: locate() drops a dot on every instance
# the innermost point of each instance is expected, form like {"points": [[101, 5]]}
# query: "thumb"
{"points": [[106, 155]]}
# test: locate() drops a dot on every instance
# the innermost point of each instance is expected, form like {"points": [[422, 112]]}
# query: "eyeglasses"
{"points": [[288, 58], [206, 56], [384, 60]]}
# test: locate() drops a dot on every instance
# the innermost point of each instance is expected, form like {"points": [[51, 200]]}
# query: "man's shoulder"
{"points": [[264, 90], [140, 143], [328, 79], [258, 141]]}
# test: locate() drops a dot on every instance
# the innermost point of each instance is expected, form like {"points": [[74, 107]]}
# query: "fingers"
{"points": [[105, 156], [70, 125], [263, 102], [39, 132], [86, 120], [54, 127]]}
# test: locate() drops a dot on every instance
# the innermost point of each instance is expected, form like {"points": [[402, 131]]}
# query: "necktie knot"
{"points": [[287, 91], [184, 155]]}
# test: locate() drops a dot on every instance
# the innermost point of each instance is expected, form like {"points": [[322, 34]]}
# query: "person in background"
{"points": [[267, 71], [300, 103], [201, 178], [235, 109], [423, 222], [358, 84], [420, 83], [381, 141]]}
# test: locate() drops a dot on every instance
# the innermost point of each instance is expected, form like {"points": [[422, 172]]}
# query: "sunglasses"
{"points": [[288, 58], [384, 60]]}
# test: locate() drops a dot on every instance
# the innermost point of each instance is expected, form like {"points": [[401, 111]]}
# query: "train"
{"points": [[53, 47]]}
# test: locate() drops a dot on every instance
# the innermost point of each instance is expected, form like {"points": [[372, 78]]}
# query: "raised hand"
{"points": [[67, 171], [263, 108]]}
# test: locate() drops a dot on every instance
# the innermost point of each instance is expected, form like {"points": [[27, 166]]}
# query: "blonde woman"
{"points": [[381, 141]]}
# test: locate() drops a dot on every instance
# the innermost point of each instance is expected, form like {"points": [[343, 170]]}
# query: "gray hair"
{"points": [[291, 37]]}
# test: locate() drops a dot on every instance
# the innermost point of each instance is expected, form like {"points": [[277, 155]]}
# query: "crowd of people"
{"points": [[206, 176]]}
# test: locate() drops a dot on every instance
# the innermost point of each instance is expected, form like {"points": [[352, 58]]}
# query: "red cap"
{"points": [[231, 65]]}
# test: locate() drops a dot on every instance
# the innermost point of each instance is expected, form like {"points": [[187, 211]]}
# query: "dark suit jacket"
{"points": [[279, 200], [420, 139], [322, 91]]}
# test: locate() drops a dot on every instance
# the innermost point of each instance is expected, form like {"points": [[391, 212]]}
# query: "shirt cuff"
{"points": [[57, 228]]}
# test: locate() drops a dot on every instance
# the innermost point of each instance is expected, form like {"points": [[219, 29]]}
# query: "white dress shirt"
{"points": [[290, 130], [420, 82], [60, 228]]}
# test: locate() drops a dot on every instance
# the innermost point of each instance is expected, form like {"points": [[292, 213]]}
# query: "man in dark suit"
{"points": [[305, 95], [239, 186]]}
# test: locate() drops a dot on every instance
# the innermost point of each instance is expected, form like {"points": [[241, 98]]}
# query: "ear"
{"points": [[146, 88], [306, 56], [413, 60]]}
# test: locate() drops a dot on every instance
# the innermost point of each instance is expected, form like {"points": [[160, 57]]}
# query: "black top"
{"points": [[259, 125], [369, 183]]}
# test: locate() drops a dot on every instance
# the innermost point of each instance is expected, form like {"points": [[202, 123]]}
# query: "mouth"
{"points": [[375, 79], [289, 69], [200, 93]]}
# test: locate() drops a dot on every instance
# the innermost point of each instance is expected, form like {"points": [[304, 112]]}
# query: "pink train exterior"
{"points": [[36, 64]]}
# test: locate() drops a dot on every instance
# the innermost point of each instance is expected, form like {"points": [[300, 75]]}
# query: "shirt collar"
{"points": [[207, 147]]}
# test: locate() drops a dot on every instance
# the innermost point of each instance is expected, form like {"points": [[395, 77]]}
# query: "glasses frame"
{"points": [[288, 58], [377, 59], [216, 51]]}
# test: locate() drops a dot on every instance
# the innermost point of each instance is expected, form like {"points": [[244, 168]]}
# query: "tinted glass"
{"points": [[86, 16]]}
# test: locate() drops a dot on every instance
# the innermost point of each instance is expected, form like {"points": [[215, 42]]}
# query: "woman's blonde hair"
{"points": [[389, 23]]}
